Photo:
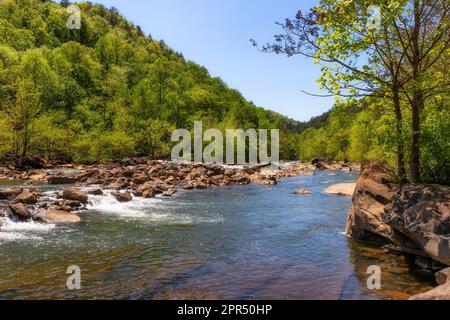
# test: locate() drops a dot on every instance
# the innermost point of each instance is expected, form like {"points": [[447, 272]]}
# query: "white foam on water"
{"points": [[13, 231], [16, 236], [133, 209], [147, 210]]}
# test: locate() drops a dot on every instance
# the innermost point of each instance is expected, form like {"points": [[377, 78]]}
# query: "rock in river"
{"points": [[374, 192], [26, 197], [341, 189], [122, 196], [302, 191], [75, 194], [10, 193], [96, 192], [62, 180], [20, 211], [58, 217]]}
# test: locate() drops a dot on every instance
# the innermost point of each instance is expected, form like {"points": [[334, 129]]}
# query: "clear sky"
{"points": [[216, 34]]}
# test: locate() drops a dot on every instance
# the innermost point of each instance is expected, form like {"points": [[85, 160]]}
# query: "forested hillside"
{"points": [[106, 91]]}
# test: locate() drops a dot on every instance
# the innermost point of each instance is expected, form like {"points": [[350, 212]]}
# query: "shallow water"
{"points": [[235, 242]]}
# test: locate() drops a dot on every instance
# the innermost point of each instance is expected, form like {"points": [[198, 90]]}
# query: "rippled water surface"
{"points": [[236, 242]]}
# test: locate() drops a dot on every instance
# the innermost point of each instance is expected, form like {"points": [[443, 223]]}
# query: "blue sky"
{"points": [[216, 33]]}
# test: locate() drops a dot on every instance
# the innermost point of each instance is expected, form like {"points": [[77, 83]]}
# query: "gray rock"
{"points": [[422, 213]]}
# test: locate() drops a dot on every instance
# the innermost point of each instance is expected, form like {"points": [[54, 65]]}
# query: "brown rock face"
{"points": [[26, 197], [374, 192], [422, 213], [75, 194], [10, 193], [122, 196], [58, 217], [20, 211], [414, 218], [62, 180]]}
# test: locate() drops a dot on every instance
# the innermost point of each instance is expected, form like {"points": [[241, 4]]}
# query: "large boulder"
{"points": [[75, 195], [414, 218], [10, 193], [374, 192], [58, 217], [422, 213]]}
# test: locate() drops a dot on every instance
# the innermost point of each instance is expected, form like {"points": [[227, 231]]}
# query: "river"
{"points": [[234, 242]]}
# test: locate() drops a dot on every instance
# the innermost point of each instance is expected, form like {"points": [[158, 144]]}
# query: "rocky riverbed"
{"points": [[128, 179]]}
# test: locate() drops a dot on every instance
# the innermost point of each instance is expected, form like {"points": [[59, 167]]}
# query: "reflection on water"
{"points": [[237, 242]]}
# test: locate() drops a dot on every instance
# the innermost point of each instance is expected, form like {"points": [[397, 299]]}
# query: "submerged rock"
{"points": [[302, 191]]}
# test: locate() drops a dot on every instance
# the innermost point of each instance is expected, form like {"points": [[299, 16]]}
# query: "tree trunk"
{"points": [[401, 171], [417, 101], [414, 165]]}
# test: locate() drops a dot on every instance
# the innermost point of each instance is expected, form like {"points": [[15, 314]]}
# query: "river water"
{"points": [[234, 242]]}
